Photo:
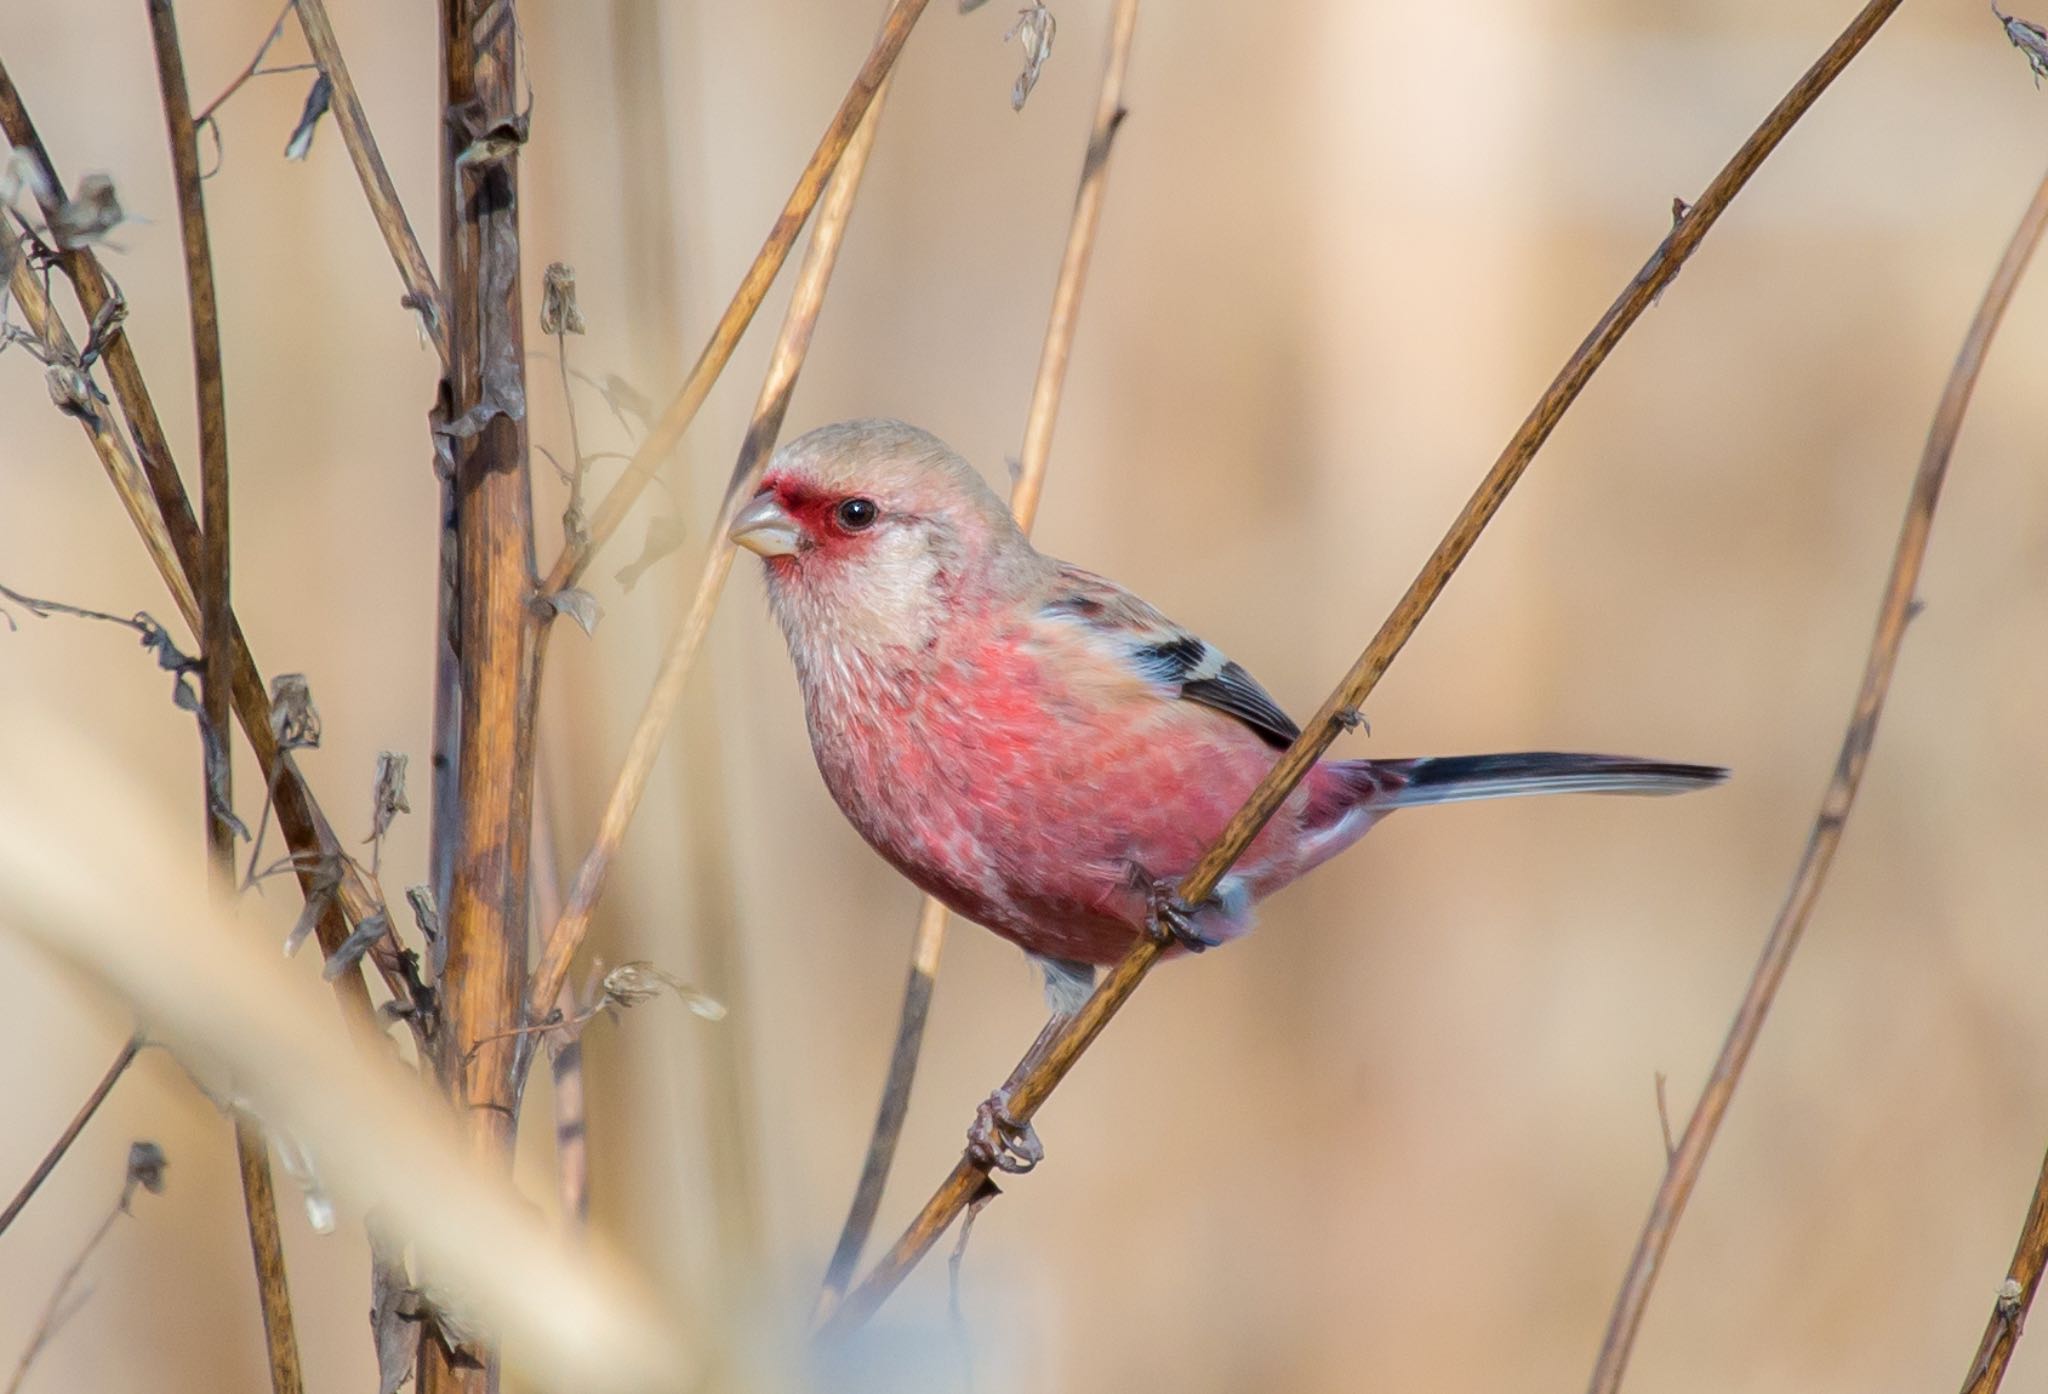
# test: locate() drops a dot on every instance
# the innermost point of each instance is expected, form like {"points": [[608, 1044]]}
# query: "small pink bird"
{"points": [[1036, 746]]}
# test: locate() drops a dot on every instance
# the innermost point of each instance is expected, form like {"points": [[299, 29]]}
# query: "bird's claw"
{"points": [[1352, 719], [1001, 1142], [1171, 920]]}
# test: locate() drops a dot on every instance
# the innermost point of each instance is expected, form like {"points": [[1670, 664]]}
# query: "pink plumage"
{"points": [[1032, 744]]}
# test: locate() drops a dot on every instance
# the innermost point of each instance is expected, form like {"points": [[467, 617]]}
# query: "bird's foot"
{"points": [[997, 1140], [1171, 920]]}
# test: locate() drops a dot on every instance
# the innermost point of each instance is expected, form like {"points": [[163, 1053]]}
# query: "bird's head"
{"points": [[873, 531]]}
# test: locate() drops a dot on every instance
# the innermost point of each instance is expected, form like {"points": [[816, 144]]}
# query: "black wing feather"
{"points": [[1193, 666]]}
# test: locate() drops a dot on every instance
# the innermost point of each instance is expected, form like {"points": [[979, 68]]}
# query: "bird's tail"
{"points": [[1392, 784]]}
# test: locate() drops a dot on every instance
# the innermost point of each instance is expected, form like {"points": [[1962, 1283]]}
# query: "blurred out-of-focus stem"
{"points": [[929, 938], [216, 637], [481, 449], [1338, 712]]}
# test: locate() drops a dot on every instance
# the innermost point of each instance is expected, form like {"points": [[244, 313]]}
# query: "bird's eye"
{"points": [[857, 515]]}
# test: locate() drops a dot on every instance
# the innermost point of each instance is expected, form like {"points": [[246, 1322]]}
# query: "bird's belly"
{"points": [[1047, 837]]}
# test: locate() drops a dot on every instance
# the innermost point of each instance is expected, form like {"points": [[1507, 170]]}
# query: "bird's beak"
{"points": [[763, 528]]}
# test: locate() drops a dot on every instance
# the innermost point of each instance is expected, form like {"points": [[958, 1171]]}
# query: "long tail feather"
{"points": [[1454, 778]]}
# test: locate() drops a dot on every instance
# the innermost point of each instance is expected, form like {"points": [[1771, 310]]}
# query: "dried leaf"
{"points": [[558, 310], [387, 796], [317, 99], [2029, 38], [146, 1165], [394, 1309], [501, 139], [72, 391], [361, 939], [297, 1164], [294, 720], [323, 882], [1034, 30], [630, 984], [665, 534], [87, 216], [427, 915], [579, 605]]}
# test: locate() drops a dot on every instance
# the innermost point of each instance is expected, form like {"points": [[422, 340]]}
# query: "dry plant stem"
{"points": [[572, 1114], [2009, 1309], [1338, 709], [483, 447], [1894, 613], [784, 364], [1046, 388], [71, 1130], [162, 514], [55, 1313], [216, 621], [682, 408], [382, 194]]}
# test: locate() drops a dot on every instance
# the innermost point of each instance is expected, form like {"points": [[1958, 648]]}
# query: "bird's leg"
{"points": [[1168, 918], [999, 1139]]}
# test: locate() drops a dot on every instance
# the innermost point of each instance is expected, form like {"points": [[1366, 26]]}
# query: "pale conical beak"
{"points": [[762, 527]]}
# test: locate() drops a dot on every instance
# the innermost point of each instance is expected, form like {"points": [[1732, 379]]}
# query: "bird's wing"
{"points": [[1160, 653]]}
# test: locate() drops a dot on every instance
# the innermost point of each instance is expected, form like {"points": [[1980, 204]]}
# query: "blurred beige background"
{"points": [[1403, 1137]]}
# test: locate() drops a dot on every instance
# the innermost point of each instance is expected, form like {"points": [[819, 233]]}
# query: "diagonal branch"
{"points": [[86, 1110], [930, 937], [787, 360], [421, 294], [216, 625], [753, 288], [1339, 709], [2015, 1296]]}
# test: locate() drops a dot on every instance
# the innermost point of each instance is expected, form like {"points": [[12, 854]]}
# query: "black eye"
{"points": [[856, 515]]}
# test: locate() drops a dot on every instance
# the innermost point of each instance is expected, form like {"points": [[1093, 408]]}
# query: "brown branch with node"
{"points": [[928, 940], [792, 344], [1034, 1086], [681, 410]]}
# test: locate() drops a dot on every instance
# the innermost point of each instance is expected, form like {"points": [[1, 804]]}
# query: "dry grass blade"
{"points": [[139, 922], [86, 1110], [675, 418], [787, 360], [929, 940], [216, 626], [1894, 613], [421, 294], [1339, 709]]}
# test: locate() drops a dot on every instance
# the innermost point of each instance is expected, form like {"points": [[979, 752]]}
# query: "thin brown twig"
{"points": [[1895, 612], [792, 344], [86, 1110], [681, 410], [2015, 1296], [56, 1313], [241, 79], [153, 494], [216, 624], [929, 939], [1339, 709], [421, 293]]}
